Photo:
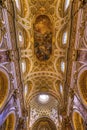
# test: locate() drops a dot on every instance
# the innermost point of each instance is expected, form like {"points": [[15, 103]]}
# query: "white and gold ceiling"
{"points": [[43, 28]]}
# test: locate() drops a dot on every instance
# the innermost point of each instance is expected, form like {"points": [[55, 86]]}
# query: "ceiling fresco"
{"points": [[43, 37]]}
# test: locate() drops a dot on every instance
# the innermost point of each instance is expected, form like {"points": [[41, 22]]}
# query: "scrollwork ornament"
{"points": [[2, 31]]}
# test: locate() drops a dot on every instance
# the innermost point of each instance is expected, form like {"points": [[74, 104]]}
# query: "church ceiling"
{"points": [[43, 38], [43, 68]]}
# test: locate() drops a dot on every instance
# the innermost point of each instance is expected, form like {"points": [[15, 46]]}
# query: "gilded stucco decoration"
{"points": [[4, 87], [39, 109], [78, 121], [2, 30], [81, 46], [43, 49], [43, 73], [44, 123], [79, 67], [82, 86], [81, 39], [43, 61], [9, 124]]}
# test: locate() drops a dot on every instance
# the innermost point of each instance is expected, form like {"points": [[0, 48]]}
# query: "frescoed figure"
{"points": [[43, 37]]}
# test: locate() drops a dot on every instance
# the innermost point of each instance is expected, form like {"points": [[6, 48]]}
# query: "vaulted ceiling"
{"points": [[43, 71], [43, 30]]}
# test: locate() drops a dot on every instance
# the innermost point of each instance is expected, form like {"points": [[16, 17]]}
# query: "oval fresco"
{"points": [[43, 37]]}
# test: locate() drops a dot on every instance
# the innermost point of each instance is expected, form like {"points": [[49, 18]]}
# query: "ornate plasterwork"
{"points": [[80, 66], [43, 76], [2, 31], [4, 88], [9, 67], [44, 123], [2, 27], [82, 85], [78, 121], [10, 121], [39, 110], [35, 115], [79, 63], [81, 39], [43, 73]]}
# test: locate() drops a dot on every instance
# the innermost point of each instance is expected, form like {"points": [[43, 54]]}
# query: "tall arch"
{"points": [[9, 123], [82, 86], [78, 122], [4, 87], [44, 124]]}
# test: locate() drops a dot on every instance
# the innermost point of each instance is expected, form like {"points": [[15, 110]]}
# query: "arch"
{"points": [[63, 36], [4, 87], [29, 98], [44, 124], [18, 5], [43, 37], [82, 86], [22, 36], [9, 123], [78, 122], [66, 4], [64, 7]]}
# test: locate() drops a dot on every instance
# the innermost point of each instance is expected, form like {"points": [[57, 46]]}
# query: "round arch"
{"points": [[9, 123], [78, 122], [44, 124], [38, 93], [82, 85], [4, 87]]}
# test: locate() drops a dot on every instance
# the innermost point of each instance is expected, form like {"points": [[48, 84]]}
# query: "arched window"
{"points": [[67, 2], [20, 37], [64, 38], [25, 89], [61, 88], [62, 66], [23, 66], [18, 4]]}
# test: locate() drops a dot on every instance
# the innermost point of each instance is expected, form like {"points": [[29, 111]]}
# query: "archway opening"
{"points": [[78, 121], [83, 86], [9, 123], [3, 88], [44, 124]]}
